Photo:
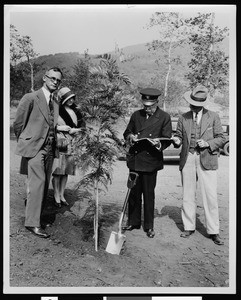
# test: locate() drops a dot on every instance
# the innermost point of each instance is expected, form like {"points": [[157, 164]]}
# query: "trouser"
{"points": [[39, 173], [191, 173], [145, 186]]}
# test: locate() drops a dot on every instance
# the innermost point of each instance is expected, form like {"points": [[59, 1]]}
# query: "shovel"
{"points": [[117, 239]]}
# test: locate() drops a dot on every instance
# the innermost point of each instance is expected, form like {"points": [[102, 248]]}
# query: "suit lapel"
{"points": [[205, 121], [42, 104], [187, 124]]}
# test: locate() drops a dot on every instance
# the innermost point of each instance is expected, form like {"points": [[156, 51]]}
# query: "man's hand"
{"points": [[176, 140], [156, 142], [63, 128], [202, 144], [74, 130], [132, 138]]}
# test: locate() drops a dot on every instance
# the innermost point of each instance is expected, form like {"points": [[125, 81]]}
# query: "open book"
{"points": [[152, 140]]}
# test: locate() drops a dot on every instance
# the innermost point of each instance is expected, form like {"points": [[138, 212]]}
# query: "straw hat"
{"points": [[197, 97]]}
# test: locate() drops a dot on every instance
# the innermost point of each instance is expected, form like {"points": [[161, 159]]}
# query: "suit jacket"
{"points": [[31, 124], [211, 132], [143, 156]]}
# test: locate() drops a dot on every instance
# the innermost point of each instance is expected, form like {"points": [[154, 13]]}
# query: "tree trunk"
{"points": [[96, 215], [207, 83], [32, 78], [167, 76]]}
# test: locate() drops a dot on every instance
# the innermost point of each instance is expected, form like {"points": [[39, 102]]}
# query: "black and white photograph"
{"points": [[119, 149]]}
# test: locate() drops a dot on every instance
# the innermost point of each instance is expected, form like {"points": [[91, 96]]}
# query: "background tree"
{"points": [[98, 148], [22, 56], [172, 34], [15, 55], [209, 65], [26, 50], [79, 78]]}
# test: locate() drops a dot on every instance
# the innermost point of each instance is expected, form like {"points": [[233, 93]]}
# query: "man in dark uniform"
{"points": [[145, 157]]}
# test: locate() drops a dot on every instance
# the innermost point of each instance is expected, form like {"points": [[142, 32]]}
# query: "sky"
{"points": [[98, 28]]}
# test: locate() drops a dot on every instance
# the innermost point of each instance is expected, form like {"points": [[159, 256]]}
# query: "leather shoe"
{"points": [[186, 233], [216, 239], [64, 203], [38, 231], [131, 227], [45, 225], [150, 233]]}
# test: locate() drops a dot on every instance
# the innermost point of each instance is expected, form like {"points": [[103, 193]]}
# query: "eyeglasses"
{"points": [[53, 79]]}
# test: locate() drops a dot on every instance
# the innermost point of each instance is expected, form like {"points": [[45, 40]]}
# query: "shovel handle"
{"points": [[131, 182]]}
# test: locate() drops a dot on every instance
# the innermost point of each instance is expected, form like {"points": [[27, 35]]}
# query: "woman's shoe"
{"points": [[65, 203]]}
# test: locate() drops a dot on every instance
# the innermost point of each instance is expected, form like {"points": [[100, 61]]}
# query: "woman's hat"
{"points": [[150, 95], [65, 94], [197, 97]]}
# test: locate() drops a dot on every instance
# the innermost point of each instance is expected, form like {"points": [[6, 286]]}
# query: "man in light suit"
{"points": [[200, 133], [34, 126], [146, 158]]}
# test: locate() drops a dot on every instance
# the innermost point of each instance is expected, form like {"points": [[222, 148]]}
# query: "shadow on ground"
{"points": [[174, 213], [71, 230]]}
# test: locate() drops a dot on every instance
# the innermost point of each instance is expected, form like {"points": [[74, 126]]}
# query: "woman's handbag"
{"points": [[62, 142]]}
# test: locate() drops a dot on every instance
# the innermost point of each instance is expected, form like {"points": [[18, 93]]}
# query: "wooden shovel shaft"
{"points": [[123, 210], [130, 184]]}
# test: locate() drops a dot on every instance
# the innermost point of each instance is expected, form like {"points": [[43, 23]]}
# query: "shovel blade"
{"points": [[115, 243]]}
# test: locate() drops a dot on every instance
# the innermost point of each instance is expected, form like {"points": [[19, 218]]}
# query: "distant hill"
{"points": [[65, 61], [139, 63], [134, 60], [62, 60]]}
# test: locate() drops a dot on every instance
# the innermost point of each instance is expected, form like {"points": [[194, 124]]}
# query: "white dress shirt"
{"points": [[46, 94], [199, 115]]}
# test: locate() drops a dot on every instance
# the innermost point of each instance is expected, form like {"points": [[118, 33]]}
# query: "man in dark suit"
{"points": [[145, 157], [34, 126], [200, 133]]}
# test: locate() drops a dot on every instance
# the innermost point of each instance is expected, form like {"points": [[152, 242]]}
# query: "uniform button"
{"points": [[150, 134]]}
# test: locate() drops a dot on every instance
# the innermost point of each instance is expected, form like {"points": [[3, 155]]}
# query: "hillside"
{"points": [[136, 61], [140, 63]]}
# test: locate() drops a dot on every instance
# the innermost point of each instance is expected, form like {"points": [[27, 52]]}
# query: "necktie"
{"points": [[51, 107], [195, 118]]}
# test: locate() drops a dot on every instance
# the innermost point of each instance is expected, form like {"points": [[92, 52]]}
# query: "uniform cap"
{"points": [[150, 95]]}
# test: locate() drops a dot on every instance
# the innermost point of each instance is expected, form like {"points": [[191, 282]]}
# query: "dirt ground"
{"points": [[68, 258]]}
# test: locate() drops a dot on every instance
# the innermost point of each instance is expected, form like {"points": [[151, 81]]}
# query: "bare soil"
{"points": [[68, 258]]}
